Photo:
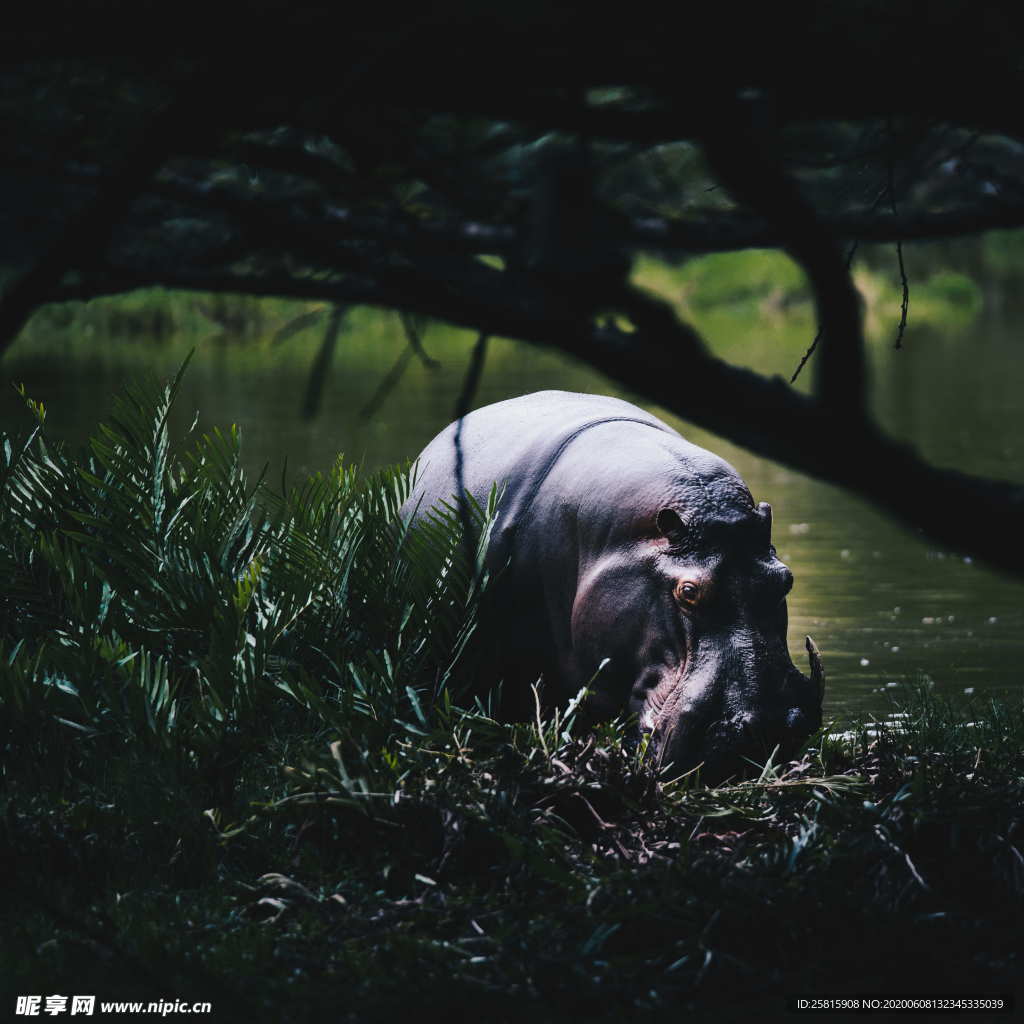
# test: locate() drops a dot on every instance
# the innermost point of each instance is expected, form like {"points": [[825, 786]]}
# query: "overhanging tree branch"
{"points": [[667, 362]]}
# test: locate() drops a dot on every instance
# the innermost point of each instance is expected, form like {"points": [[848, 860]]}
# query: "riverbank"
{"points": [[480, 869]]}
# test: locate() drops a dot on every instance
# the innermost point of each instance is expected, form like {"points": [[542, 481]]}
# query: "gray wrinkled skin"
{"points": [[617, 539]]}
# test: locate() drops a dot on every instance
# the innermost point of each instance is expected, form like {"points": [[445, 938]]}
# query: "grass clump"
{"points": [[241, 763]]}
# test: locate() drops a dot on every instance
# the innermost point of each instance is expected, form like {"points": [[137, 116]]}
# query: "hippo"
{"points": [[626, 560]]}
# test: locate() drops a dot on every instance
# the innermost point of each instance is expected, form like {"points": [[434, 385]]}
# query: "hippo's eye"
{"points": [[687, 592]]}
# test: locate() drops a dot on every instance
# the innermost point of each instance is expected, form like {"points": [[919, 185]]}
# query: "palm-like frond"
{"points": [[159, 596]]}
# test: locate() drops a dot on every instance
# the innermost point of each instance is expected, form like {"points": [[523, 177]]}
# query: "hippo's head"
{"points": [[691, 613]]}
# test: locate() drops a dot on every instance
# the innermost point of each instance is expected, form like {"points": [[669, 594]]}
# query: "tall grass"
{"points": [[156, 599]]}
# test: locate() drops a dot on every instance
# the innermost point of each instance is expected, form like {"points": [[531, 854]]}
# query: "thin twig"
{"points": [[469, 386], [807, 355], [905, 303]]}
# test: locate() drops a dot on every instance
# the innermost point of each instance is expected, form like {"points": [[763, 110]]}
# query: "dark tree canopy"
{"points": [[499, 166]]}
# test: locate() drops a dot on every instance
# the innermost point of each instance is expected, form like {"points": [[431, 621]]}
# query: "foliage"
{"points": [[156, 600], [240, 761]]}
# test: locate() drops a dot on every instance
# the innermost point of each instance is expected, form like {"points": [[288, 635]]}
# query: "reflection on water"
{"points": [[884, 606]]}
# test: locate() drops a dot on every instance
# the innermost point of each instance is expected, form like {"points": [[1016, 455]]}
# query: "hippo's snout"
{"points": [[729, 748], [732, 743], [724, 748]]}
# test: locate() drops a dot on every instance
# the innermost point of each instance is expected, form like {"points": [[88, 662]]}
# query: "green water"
{"points": [[885, 607]]}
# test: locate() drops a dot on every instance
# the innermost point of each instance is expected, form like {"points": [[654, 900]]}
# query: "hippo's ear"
{"points": [[671, 525]]}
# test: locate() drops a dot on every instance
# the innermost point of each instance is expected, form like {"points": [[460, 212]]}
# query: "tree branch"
{"points": [[666, 362], [742, 155]]}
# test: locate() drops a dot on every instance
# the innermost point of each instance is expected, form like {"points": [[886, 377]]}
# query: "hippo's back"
{"points": [[515, 444]]}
